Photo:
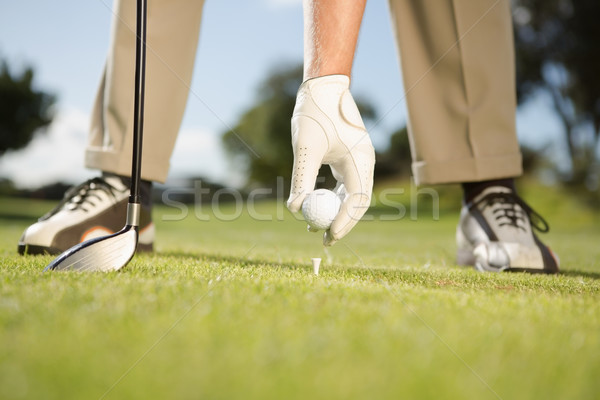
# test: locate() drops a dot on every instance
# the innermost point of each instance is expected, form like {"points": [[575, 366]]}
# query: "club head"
{"points": [[106, 253]]}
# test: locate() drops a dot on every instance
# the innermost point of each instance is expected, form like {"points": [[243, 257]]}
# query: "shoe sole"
{"points": [[465, 258]]}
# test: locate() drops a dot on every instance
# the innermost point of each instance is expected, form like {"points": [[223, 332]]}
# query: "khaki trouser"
{"points": [[457, 60], [172, 38]]}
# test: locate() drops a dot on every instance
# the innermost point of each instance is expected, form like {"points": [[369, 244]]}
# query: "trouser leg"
{"points": [[457, 59], [172, 38]]}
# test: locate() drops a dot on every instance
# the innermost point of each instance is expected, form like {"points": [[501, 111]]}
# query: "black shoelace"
{"points": [[511, 210], [80, 196]]}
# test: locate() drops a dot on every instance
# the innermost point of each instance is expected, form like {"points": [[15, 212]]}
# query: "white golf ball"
{"points": [[320, 208]]}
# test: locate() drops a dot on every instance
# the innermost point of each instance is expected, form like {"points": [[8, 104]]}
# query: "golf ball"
{"points": [[320, 208]]}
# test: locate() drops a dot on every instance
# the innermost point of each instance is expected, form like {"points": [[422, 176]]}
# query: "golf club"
{"points": [[113, 252]]}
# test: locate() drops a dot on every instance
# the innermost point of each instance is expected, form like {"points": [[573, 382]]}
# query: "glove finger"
{"points": [[328, 240], [350, 213], [357, 170], [310, 145]]}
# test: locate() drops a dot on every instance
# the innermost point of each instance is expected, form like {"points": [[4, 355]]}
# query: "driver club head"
{"points": [[106, 253]]}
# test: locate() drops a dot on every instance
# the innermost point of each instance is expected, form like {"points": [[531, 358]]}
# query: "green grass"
{"points": [[231, 309]]}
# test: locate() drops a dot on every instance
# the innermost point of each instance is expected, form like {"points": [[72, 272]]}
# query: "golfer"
{"points": [[458, 66]]}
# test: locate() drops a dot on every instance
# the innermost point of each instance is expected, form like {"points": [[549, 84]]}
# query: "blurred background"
{"points": [[247, 71]]}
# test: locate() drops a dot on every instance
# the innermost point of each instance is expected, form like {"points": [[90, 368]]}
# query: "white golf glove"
{"points": [[327, 129]]}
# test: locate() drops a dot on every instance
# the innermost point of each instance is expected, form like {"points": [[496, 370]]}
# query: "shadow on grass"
{"points": [[580, 274], [242, 260], [13, 216], [377, 273]]}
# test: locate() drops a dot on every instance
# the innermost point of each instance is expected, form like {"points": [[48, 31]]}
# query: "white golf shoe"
{"points": [[95, 208], [495, 233]]}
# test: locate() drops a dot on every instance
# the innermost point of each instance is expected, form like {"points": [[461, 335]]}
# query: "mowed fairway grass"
{"points": [[229, 308]]}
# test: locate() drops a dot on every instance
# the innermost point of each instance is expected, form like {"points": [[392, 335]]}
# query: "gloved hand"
{"points": [[327, 129]]}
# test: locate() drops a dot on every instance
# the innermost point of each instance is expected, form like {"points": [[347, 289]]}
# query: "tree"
{"points": [[261, 138], [396, 160], [558, 52], [23, 110]]}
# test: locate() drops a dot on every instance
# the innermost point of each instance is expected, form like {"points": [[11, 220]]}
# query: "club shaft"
{"points": [[140, 78]]}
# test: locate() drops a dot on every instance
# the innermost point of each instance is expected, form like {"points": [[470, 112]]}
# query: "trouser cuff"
{"points": [[467, 170]]}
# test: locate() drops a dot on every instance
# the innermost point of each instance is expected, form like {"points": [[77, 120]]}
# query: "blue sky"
{"points": [[241, 41]]}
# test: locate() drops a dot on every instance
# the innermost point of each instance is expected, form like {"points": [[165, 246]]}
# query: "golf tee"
{"points": [[316, 262]]}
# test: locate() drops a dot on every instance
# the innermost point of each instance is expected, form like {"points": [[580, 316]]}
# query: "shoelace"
{"points": [[507, 212], [78, 196]]}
